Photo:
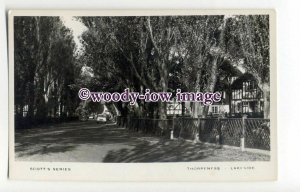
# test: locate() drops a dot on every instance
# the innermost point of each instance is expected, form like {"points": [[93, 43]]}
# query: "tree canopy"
{"points": [[164, 53], [161, 53]]}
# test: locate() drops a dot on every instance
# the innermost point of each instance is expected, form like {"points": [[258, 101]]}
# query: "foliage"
{"points": [[162, 53], [166, 53], [44, 68]]}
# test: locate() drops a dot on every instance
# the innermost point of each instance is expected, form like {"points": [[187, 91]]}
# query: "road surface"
{"points": [[92, 142]]}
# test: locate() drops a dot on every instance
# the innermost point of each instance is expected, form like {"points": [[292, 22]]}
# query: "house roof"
{"points": [[227, 69], [230, 68], [238, 83]]}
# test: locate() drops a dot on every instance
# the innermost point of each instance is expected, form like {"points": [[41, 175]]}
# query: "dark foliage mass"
{"points": [[45, 70], [194, 53]]}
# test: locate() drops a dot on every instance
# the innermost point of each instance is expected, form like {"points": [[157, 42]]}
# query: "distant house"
{"points": [[247, 97], [243, 96], [175, 108], [222, 107], [240, 95]]}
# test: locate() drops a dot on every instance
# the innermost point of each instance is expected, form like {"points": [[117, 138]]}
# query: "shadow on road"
{"points": [[90, 142], [66, 137], [163, 151]]}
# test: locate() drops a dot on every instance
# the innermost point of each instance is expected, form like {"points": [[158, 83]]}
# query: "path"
{"points": [[91, 142]]}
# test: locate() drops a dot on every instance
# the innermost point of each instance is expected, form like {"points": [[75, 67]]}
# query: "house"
{"points": [[222, 107], [242, 96], [247, 97], [175, 108]]}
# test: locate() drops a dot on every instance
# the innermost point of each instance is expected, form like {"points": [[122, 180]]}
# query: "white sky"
{"points": [[76, 27]]}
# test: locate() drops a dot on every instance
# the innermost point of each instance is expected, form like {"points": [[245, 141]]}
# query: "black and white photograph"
{"points": [[142, 88]]}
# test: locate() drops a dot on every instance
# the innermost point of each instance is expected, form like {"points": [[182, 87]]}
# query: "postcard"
{"points": [[142, 95]]}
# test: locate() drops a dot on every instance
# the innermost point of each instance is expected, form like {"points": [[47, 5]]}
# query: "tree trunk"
{"points": [[31, 106], [164, 87], [266, 95], [212, 82], [183, 108], [196, 110]]}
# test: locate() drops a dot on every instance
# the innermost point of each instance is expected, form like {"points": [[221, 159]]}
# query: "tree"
{"points": [[200, 46], [134, 50], [163, 53], [251, 35], [44, 67]]}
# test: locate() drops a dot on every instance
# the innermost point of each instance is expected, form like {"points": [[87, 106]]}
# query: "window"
{"points": [[25, 110], [245, 107], [250, 90], [237, 94], [215, 109]]}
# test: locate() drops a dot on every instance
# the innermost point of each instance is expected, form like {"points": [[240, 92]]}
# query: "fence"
{"points": [[242, 132]]}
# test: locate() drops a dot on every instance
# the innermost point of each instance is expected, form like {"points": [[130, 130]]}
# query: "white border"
{"points": [[145, 171]]}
